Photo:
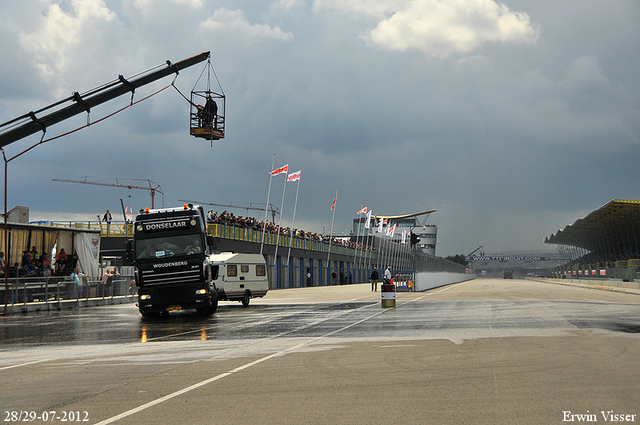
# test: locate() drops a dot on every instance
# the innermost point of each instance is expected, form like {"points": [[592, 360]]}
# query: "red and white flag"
{"points": [[333, 204], [362, 211], [381, 223], [391, 229], [280, 170], [294, 176]]}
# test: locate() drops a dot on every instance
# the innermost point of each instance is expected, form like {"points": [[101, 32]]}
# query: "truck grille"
{"points": [[184, 276], [173, 293]]}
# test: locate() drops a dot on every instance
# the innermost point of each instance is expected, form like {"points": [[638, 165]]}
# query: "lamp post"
{"points": [[6, 237]]}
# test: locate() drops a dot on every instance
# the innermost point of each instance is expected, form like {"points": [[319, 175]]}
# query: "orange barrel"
{"points": [[388, 295]]}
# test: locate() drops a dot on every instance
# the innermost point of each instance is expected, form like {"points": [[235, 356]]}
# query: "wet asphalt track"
{"points": [[486, 351]]}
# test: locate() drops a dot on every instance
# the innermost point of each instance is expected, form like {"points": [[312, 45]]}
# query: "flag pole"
{"points": [[355, 254], [275, 256], [264, 223], [333, 207], [367, 260], [295, 207]]}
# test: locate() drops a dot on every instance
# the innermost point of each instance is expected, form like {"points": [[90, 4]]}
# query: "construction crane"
{"points": [[116, 182], [475, 250], [273, 209]]}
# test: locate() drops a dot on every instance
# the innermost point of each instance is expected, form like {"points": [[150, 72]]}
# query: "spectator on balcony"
{"points": [[27, 271], [35, 255], [47, 268], [26, 258], [107, 217], [61, 261], [13, 271]]}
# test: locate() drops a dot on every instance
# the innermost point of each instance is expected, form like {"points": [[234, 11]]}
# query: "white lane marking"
{"points": [[24, 364], [447, 288], [231, 372]]}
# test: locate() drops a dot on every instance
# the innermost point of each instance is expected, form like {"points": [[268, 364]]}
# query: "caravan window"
{"points": [[232, 270], [244, 268], [260, 270]]}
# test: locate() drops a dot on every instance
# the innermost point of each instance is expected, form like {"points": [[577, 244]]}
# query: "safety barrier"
{"points": [[53, 291], [244, 234], [223, 231], [113, 229]]}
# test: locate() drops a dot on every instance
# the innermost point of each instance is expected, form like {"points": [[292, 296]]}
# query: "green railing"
{"points": [[224, 231], [106, 229]]}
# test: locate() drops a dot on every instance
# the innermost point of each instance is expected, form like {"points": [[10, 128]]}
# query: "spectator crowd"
{"points": [[34, 264], [230, 219]]}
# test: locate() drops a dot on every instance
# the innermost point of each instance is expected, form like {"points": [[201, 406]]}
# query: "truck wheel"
{"points": [[246, 299], [214, 302]]}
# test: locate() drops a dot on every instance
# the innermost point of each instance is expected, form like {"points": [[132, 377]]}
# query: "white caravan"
{"points": [[239, 277]]}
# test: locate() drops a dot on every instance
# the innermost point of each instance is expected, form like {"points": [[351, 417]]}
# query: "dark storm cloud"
{"points": [[511, 119]]}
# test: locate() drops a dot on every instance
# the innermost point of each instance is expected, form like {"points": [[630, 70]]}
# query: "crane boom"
{"points": [[475, 250], [11, 131], [151, 186]]}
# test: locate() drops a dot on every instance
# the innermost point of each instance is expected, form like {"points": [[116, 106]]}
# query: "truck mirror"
{"points": [[130, 251], [211, 241]]}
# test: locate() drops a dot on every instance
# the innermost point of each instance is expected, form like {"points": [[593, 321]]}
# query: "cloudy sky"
{"points": [[511, 119]]}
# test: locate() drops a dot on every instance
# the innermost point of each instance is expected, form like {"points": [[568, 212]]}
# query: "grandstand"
{"points": [[604, 244]]}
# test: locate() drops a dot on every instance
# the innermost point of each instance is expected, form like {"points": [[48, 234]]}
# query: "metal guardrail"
{"points": [[423, 262], [223, 231], [115, 228], [244, 234], [47, 290]]}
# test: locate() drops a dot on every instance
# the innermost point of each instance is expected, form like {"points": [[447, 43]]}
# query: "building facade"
{"points": [[428, 233]]}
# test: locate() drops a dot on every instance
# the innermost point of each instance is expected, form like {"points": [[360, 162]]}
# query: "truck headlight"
{"points": [[201, 291], [145, 297]]}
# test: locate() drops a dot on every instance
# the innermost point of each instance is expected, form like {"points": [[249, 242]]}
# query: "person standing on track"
{"points": [[374, 279], [387, 276]]}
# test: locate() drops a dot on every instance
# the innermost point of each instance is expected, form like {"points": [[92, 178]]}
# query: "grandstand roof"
{"points": [[396, 217], [613, 228]]}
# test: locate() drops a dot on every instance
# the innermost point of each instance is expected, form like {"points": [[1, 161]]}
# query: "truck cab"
{"points": [[172, 267]]}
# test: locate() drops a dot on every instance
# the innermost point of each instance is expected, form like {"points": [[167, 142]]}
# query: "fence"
{"points": [[223, 231], [55, 290]]}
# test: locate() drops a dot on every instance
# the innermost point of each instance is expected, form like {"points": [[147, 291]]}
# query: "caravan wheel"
{"points": [[246, 299]]}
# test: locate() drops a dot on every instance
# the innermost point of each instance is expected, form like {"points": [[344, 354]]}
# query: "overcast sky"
{"points": [[511, 119]]}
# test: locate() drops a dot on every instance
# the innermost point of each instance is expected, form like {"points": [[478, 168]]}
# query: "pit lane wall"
{"points": [[617, 285], [426, 281]]}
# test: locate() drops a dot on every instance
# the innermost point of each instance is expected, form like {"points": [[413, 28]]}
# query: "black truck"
{"points": [[171, 252]]}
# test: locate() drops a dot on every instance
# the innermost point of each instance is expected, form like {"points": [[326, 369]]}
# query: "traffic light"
{"points": [[414, 239]]}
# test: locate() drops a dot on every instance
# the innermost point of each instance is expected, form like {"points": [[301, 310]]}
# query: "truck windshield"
{"points": [[168, 246]]}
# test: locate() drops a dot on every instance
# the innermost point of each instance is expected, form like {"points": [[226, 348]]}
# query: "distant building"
{"points": [[428, 234], [517, 263], [18, 214]]}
